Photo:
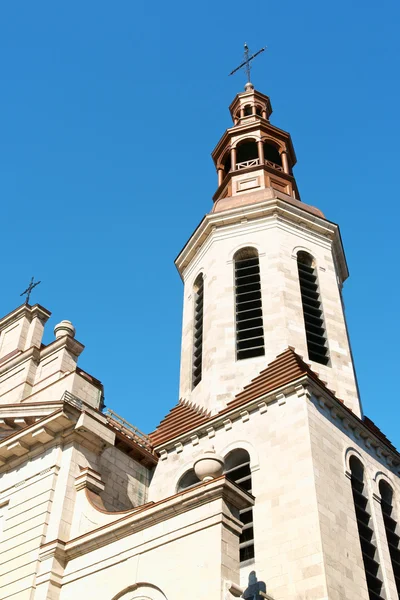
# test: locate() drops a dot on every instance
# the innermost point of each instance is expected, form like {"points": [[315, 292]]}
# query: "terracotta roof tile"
{"points": [[183, 417], [287, 367]]}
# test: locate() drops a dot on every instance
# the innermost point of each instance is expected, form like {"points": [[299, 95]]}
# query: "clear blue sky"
{"points": [[108, 114]]}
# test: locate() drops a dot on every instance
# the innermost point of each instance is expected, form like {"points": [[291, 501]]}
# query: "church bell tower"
{"points": [[262, 272]]}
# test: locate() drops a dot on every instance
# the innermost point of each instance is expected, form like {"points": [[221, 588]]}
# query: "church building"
{"points": [[265, 480]]}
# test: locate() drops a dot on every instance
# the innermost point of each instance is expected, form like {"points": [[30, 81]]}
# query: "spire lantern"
{"points": [[253, 155]]}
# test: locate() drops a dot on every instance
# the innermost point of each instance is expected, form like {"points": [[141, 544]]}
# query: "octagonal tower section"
{"points": [[263, 271]]}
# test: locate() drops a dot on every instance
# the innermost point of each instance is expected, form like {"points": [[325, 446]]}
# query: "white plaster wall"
{"points": [[277, 242]]}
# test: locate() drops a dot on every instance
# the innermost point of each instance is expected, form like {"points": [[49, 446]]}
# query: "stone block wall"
{"points": [[277, 242]]}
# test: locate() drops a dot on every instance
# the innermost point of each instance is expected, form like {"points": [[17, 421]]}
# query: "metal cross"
{"points": [[246, 63], [29, 289]]}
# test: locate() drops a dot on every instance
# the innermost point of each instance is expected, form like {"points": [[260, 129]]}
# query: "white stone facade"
{"points": [[277, 231], [91, 507]]}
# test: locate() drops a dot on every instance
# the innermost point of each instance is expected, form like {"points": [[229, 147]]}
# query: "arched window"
{"points": [[271, 153], [312, 309], [247, 110], [198, 293], [188, 480], [246, 150], [249, 321], [391, 528], [226, 161], [237, 469], [365, 530], [258, 110]]}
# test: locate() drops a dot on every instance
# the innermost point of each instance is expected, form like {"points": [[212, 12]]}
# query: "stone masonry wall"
{"points": [[277, 243]]}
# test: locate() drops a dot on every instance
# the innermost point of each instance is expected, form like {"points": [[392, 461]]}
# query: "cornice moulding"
{"points": [[158, 512], [273, 208], [31, 312], [302, 387]]}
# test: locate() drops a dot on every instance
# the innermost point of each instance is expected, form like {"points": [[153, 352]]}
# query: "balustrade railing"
{"points": [[117, 422], [254, 162], [248, 163], [128, 429]]}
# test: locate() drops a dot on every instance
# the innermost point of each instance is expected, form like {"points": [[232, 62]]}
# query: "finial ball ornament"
{"points": [[64, 328], [249, 87], [208, 465]]}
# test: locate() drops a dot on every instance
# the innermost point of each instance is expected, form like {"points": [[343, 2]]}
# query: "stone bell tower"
{"points": [[262, 272]]}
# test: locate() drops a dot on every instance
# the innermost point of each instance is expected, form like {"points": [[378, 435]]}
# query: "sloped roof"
{"points": [[183, 417], [287, 367]]}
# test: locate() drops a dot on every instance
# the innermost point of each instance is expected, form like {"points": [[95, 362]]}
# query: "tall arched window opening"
{"points": [[312, 309], [271, 153], [237, 469], [249, 321], [391, 528], [198, 292], [365, 530], [246, 152]]}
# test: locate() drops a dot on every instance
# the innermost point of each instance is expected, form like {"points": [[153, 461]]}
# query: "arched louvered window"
{"points": [[365, 530], [237, 469], [312, 309], [249, 319], [198, 292], [391, 528]]}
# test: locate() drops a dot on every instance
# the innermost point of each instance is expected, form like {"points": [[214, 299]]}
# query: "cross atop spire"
{"points": [[29, 289], [247, 60]]}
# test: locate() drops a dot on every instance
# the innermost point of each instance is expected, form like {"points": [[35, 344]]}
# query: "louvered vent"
{"points": [[198, 331], [249, 322], [312, 310], [241, 475], [391, 528], [365, 531]]}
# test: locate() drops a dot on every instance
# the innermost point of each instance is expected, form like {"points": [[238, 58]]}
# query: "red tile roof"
{"points": [[183, 417], [287, 367]]}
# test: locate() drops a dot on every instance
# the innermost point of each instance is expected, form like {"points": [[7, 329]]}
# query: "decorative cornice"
{"points": [[25, 310], [303, 387], [260, 210], [139, 519]]}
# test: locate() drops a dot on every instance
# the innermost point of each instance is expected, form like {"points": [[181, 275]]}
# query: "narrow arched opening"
{"points": [[258, 110], [247, 110], [314, 322], [365, 529], [227, 163], [246, 152], [237, 469], [248, 305], [271, 154], [391, 528], [197, 362]]}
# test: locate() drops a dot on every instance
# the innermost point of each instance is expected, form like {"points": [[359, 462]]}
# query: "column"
{"points": [[233, 159], [242, 112], [261, 152], [264, 113], [285, 162], [220, 175]]}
